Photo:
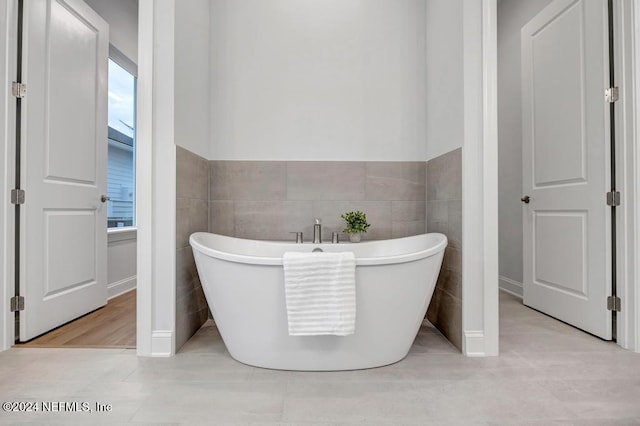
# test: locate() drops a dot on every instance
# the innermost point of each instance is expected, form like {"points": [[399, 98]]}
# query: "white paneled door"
{"points": [[63, 233], [567, 268]]}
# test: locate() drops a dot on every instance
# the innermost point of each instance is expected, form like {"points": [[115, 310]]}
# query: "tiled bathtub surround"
{"points": [[444, 214], [192, 192], [267, 200]]}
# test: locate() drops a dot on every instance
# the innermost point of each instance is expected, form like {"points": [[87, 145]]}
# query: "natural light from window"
{"points": [[121, 182]]}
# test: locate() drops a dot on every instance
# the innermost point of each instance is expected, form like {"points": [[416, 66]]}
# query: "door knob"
{"points": [[104, 198], [525, 199]]}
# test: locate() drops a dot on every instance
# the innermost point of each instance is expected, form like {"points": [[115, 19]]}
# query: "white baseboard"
{"points": [[162, 343], [511, 286], [121, 287], [473, 345]]}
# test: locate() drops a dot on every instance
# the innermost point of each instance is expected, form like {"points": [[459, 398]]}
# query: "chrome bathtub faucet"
{"points": [[317, 232], [298, 237]]}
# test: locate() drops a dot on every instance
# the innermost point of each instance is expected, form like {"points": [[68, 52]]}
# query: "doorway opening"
{"points": [[75, 156], [556, 160]]}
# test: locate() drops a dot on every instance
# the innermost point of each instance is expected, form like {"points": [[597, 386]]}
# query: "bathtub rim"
{"points": [[440, 245]]}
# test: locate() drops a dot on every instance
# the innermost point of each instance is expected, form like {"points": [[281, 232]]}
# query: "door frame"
{"points": [[8, 21], [627, 66]]}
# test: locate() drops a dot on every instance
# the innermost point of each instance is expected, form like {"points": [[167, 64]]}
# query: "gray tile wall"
{"points": [[192, 215], [444, 214], [266, 200]]}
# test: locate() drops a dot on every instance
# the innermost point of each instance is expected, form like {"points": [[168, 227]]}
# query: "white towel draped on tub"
{"points": [[320, 292]]}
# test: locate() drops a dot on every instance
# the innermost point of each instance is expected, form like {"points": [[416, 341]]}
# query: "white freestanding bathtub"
{"points": [[243, 283]]}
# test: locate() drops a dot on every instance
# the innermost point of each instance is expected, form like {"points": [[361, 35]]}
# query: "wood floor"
{"points": [[112, 326]]}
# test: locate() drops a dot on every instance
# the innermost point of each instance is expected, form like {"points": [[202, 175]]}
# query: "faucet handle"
{"points": [[298, 236], [317, 219]]}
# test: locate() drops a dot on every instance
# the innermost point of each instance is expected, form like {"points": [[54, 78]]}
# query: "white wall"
{"points": [[318, 80], [121, 262], [122, 16], [444, 76], [192, 76], [512, 15]]}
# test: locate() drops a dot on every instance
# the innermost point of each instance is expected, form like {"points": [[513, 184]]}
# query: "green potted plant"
{"points": [[356, 225]]}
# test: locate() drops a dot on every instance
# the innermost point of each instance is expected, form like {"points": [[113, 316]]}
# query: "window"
{"points": [[121, 178]]}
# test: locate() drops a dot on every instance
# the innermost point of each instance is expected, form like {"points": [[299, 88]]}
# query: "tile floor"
{"points": [[548, 374]]}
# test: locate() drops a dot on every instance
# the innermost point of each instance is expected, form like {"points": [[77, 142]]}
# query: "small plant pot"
{"points": [[355, 238]]}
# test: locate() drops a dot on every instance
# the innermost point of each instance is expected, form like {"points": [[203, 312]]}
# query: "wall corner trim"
{"points": [[480, 269], [474, 344], [156, 180], [162, 343]]}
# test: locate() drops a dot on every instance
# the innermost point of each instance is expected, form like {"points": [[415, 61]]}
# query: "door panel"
{"points": [[558, 94], [566, 269], [64, 151], [552, 267], [69, 236], [72, 64]]}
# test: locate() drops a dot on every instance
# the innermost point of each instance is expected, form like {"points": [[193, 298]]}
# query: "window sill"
{"points": [[122, 234]]}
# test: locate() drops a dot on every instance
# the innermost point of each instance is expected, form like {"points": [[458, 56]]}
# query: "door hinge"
{"points": [[613, 198], [612, 94], [19, 90], [17, 196], [614, 303], [17, 303]]}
